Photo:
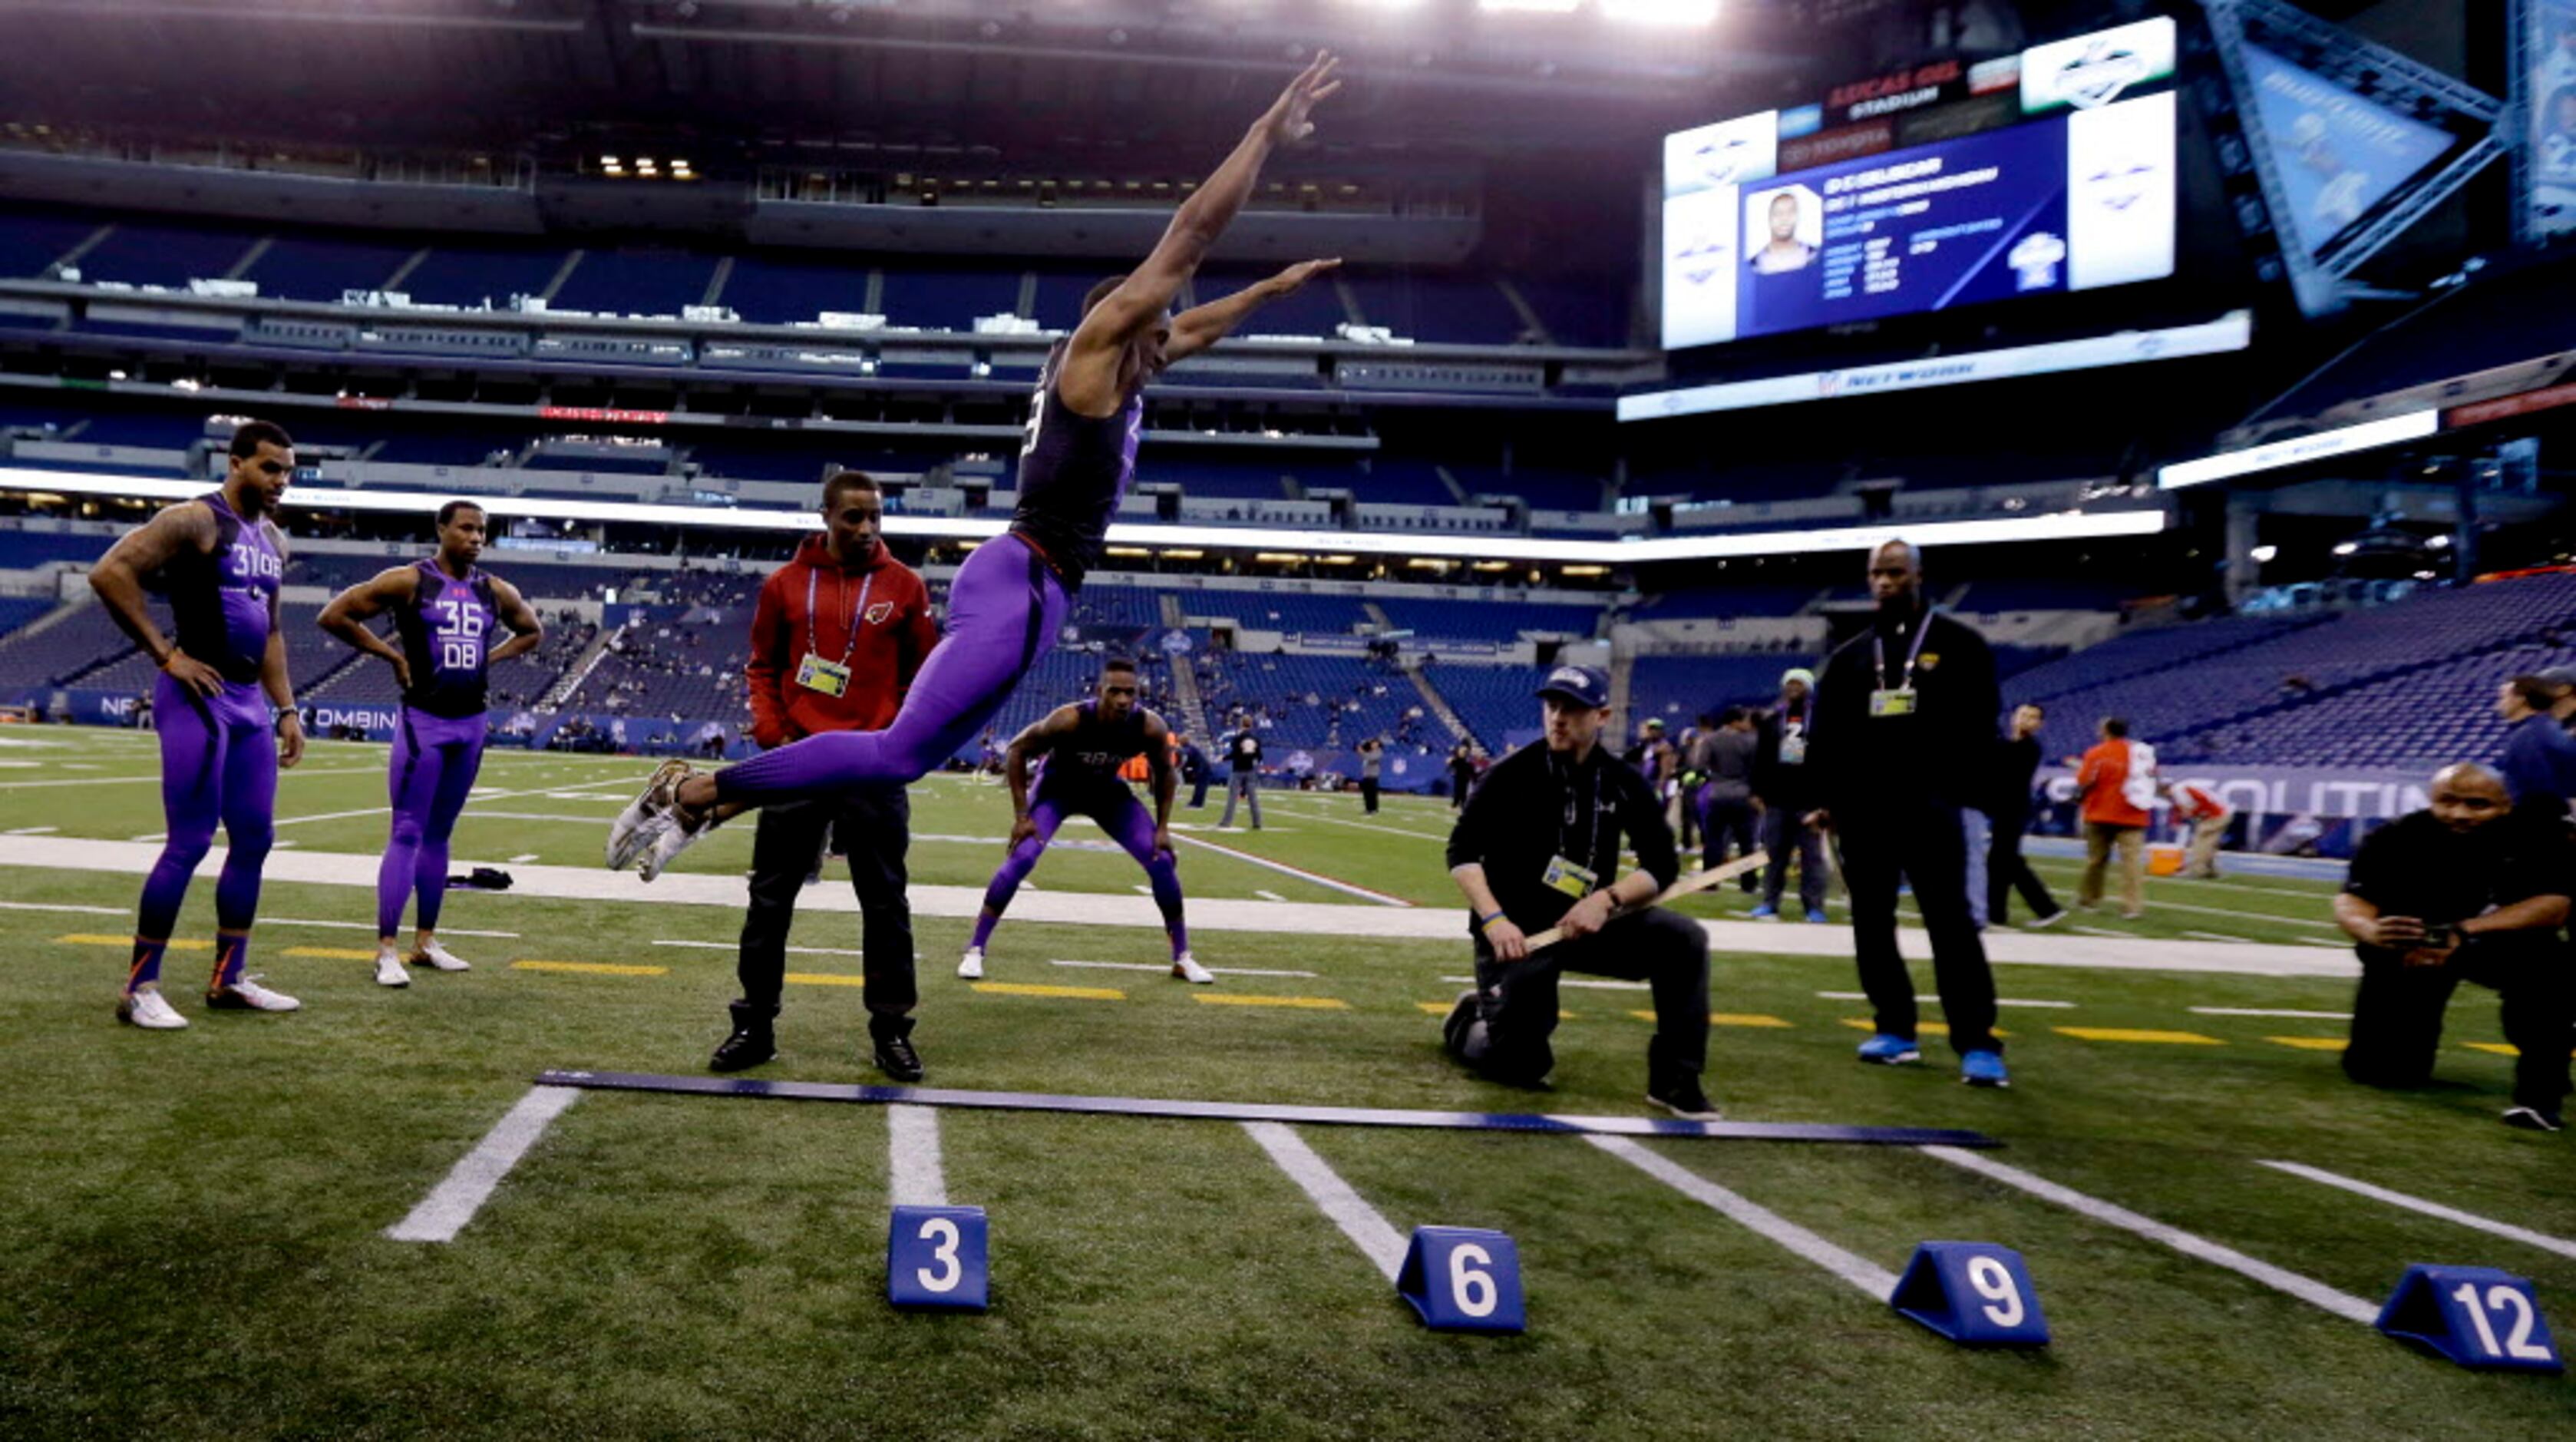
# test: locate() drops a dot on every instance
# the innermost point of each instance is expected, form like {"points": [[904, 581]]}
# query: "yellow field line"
{"points": [[1079, 993], [1728, 1018], [825, 978], [2122, 1033], [590, 968], [1309, 1003], [175, 944], [330, 953], [2500, 1048], [2310, 1043]]}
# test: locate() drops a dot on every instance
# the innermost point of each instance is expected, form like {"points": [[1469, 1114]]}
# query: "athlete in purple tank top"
{"points": [[219, 560], [445, 613], [1081, 749], [1010, 598]]}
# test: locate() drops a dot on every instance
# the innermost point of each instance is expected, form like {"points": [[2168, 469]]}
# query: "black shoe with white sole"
{"points": [[753, 1041], [1682, 1097], [2533, 1119]]}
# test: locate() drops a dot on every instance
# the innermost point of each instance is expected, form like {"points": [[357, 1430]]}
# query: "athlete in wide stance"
{"points": [[1080, 749], [220, 560], [445, 611], [1011, 597]]}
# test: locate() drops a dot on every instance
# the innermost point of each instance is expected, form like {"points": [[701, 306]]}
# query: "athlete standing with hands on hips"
{"points": [[1011, 597], [445, 610], [220, 559], [1081, 749]]}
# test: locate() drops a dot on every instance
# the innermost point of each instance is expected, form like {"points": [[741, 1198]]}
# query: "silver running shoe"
{"points": [[636, 827]]}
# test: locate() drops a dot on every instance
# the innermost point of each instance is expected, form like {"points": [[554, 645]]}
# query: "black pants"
{"points": [[1730, 820], [2007, 870], [1368, 795], [875, 828], [1198, 792], [1505, 1035], [1917, 839], [2397, 1015]]}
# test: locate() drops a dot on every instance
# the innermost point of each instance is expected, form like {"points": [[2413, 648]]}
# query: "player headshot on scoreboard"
{"points": [[1794, 222], [2558, 131]]}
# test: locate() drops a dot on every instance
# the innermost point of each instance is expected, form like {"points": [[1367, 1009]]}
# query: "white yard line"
{"points": [[1570, 981], [1377, 923], [1936, 1001], [2306, 1289], [1346, 888], [1376, 1237], [914, 1177], [524, 856], [453, 1202], [34, 831], [1268, 895], [1157, 966], [1858, 1270], [2471, 1220], [2219, 936], [2269, 1011], [1306, 815], [65, 906], [155, 778]]}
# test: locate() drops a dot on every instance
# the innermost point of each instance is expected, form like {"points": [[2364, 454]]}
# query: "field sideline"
{"points": [[194, 1225]]}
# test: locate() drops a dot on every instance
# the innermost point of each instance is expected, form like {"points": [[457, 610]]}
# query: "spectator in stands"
{"points": [[1243, 775], [1903, 736], [1372, 764], [1538, 847], [1786, 791], [1462, 774], [837, 636], [2116, 781], [2539, 756], [2473, 888], [1728, 809], [2008, 809], [2206, 815]]}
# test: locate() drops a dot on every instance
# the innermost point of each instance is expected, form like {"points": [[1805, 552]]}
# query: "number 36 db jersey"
{"points": [[446, 629]]}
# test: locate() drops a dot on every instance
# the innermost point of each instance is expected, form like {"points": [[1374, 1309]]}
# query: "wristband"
{"points": [[1487, 920]]}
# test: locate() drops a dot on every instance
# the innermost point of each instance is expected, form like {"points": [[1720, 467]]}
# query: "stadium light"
{"points": [[1662, 12], [1552, 7], [2059, 526], [2262, 554], [2346, 548], [2299, 450]]}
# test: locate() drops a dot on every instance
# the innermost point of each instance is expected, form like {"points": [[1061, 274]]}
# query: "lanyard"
{"points": [[1591, 817], [1878, 652], [852, 631]]}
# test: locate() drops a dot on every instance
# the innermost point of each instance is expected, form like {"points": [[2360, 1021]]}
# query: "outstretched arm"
{"points": [[1038, 739], [348, 613], [1199, 327], [1089, 380]]}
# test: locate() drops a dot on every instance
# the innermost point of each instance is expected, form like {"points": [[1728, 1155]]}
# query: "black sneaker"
{"points": [[897, 1059], [1683, 1098], [752, 1042], [2533, 1119]]}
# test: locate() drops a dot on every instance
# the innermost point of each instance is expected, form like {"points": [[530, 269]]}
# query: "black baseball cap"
{"points": [[1585, 686]]}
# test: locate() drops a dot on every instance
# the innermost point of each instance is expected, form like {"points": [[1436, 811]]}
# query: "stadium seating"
{"points": [[17, 611], [26, 550], [1330, 702], [636, 282], [78, 642], [1727, 602], [1681, 688], [298, 268], [1491, 701], [1499, 621]]}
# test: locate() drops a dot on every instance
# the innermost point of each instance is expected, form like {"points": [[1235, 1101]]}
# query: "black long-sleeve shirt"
{"points": [[1534, 806], [1943, 749]]}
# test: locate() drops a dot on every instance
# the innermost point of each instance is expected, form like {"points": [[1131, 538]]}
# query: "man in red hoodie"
{"points": [[835, 640]]}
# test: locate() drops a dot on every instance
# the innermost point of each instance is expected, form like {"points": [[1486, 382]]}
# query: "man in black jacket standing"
{"points": [[1785, 785], [2008, 807], [1905, 735], [1538, 846]]}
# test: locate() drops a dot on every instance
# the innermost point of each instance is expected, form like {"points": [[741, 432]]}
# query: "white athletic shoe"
{"points": [[248, 995], [668, 843], [1187, 968], [389, 968], [971, 966], [635, 827], [440, 958], [149, 1010]]}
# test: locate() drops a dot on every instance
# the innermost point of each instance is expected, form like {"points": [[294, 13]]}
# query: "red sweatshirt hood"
{"points": [[816, 551]]}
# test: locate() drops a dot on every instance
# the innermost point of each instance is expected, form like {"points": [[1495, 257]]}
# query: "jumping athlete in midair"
{"points": [[444, 611], [1080, 749], [1011, 597]]}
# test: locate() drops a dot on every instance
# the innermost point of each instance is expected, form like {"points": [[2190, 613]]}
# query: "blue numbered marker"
{"points": [[1463, 1279], [2476, 1316], [935, 1257], [1974, 1293]]}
